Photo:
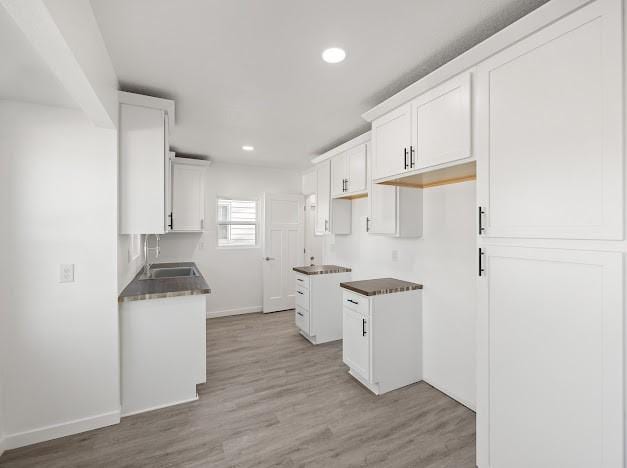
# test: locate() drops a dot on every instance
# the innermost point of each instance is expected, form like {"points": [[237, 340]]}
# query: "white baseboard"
{"points": [[165, 405], [447, 392], [228, 312], [21, 439]]}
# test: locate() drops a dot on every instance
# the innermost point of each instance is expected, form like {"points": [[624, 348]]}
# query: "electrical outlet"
{"points": [[66, 274], [395, 255]]}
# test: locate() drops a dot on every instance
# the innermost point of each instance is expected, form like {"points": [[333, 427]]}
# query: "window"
{"points": [[237, 223]]}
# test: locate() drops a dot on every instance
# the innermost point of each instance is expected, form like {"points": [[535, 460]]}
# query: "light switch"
{"points": [[66, 274]]}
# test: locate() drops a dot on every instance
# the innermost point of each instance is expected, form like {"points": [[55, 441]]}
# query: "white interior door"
{"points": [[283, 249], [313, 242], [550, 362]]}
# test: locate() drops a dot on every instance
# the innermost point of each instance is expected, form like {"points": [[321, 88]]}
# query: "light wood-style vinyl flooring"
{"points": [[273, 399]]}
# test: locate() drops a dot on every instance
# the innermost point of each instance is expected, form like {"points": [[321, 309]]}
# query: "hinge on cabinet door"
{"points": [[480, 214], [481, 269]]}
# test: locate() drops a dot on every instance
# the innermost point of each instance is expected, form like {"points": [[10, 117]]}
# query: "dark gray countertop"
{"points": [[375, 287], [321, 269], [138, 290]]}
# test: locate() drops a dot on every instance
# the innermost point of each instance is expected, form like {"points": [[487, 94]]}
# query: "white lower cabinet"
{"points": [[163, 352], [550, 358], [382, 339], [318, 313]]}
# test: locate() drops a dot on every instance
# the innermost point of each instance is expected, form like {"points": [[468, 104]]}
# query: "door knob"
{"points": [[269, 258]]}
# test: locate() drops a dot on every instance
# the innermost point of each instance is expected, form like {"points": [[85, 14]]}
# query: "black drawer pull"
{"points": [[352, 302], [300, 313], [300, 279], [300, 292]]}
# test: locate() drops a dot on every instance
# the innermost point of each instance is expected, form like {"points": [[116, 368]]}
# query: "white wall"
{"points": [[443, 260], [4, 241], [234, 275], [61, 365]]}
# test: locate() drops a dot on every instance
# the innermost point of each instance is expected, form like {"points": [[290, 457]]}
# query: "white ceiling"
{"points": [[249, 71], [24, 75]]}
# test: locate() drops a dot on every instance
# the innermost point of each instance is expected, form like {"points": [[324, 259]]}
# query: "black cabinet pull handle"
{"points": [[481, 269], [171, 216], [411, 157], [481, 213], [367, 224], [300, 279], [363, 327], [300, 313], [354, 302], [300, 292], [405, 156]]}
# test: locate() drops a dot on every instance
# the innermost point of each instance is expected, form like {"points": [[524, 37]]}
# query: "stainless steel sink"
{"points": [[170, 272]]}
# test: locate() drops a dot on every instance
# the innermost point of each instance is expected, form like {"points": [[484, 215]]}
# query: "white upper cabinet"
{"points": [[144, 163], [323, 197], [441, 124], [391, 142], [433, 129], [188, 195], [332, 215], [348, 172], [357, 169], [550, 123], [394, 211], [339, 175]]}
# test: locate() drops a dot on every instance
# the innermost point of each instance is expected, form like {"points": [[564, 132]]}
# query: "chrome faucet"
{"points": [[147, 250]]}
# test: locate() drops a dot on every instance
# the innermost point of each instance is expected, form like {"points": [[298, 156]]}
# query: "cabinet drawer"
{"points": [[302, 280], [302, 297], [301, 317], [355, 302]]}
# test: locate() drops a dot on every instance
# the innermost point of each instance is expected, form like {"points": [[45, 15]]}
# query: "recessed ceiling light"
{"points": [[333, 55], [248, 148]]}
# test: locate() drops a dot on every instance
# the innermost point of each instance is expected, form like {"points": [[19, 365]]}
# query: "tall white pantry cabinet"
{"points": [[550, 188]]}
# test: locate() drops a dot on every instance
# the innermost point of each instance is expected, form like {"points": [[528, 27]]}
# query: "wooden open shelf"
{"points": [[354, 196], [433, 178]]}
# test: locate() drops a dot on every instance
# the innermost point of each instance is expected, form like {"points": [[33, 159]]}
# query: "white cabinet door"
{"points": [[441, 124], [188, 198], [382, 215], [391, 140], [355, 342], [323, 196], [550, 126], [339, 174], [142, 170], [550, 359], [357, 169]]}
